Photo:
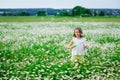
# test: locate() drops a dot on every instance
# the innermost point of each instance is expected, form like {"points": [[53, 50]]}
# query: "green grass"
{"points": [[57, 19], [37, 50]]}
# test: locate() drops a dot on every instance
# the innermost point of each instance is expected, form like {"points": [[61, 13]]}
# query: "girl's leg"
{"points": [[74, 58], [80, 58]]}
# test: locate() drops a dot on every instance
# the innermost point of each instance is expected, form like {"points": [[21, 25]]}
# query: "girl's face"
{"points": [[77, 33]]}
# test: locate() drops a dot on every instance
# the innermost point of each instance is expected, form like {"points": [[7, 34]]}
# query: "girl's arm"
{"points": [[85, 46], [70, 45]]}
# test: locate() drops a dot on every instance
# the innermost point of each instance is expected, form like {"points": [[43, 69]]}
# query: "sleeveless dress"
{"points": [[78, 49]]}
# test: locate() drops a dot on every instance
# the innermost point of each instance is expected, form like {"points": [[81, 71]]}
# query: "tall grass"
{"points": [[38, 50]]}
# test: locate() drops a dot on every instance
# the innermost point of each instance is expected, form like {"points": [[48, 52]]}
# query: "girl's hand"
{"points": [[85, 46], [69, 47]]}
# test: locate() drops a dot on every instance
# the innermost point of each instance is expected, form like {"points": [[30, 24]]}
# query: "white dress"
{"points": [[79, 46]]}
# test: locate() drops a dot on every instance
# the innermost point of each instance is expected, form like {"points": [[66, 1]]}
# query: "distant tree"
{"points": [[56, 14], [85, 15], [94, 13], [78, 10], [23, 14], [101, 13], [9, 14], [64, 13], [4, 14], [41, 13]]}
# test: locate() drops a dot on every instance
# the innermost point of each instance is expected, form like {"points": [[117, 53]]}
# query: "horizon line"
{"points": [[57, 8]]}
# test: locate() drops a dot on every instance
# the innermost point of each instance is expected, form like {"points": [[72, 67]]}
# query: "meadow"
{"points": [[59, 19], [37, 51]]}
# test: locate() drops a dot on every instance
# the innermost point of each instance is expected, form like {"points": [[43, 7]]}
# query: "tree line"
{"points": [[76, 11]]}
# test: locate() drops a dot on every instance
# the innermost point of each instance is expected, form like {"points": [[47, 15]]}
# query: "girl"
{"points": [[78, 45]]}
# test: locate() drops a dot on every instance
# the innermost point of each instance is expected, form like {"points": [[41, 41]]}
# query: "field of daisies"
{"points": [[38, 51]]}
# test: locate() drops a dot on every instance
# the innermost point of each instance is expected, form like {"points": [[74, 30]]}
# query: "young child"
{"points": [[78, 46]]}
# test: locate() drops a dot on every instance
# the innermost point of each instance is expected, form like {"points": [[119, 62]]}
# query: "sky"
{"points": [[59, 4]]}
